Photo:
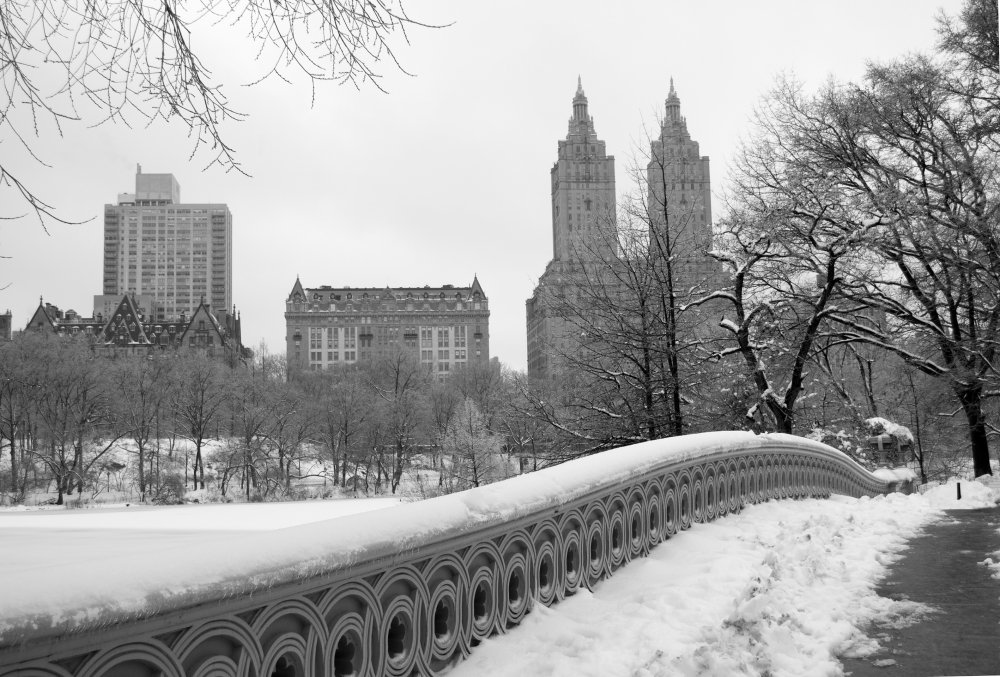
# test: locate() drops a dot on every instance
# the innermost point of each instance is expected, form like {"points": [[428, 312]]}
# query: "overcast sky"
{"points": [[447, 175]]}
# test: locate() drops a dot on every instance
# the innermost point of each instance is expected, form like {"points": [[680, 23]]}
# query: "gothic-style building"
{"points": [[584, 231], [680, 199], [129, 331], [583, 217]]}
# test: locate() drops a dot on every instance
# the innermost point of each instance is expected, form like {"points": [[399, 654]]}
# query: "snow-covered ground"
{"points": [[781, 589]]}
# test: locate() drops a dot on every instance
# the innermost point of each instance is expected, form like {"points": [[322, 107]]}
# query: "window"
{"points": [[460, 337], [442, 354], [443, 366], [315, 338], [350, 338], [443, 338], [426, 337], [332, 338]]}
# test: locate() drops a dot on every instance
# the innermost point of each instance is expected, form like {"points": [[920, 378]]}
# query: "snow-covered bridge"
{"points": [[405, 589]]}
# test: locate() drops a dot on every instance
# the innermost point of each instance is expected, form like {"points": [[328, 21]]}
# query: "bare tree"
{"points": [[120, 60], [400, 384], [143, 386], [200, 396], [74, 411], [474, 450], [787, 237]]}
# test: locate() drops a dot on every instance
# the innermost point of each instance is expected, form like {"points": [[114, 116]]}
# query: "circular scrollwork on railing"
{"points": [[655, 531], [685, 501], [446, 613], [518, 565], [596, 544], [483, 565], [711, 496], [671, 506], [617, 551], [398, 636], [698, 496], [403, 597], [636, 533], [721, 490], [133, 658], [573, 559], [736, 493], [352, 616], [220, 638]]}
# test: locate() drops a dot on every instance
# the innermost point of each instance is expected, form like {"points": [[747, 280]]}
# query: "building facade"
{"points": [[445, 328], [6, 326], [172, 252], [129, 330], [680, 198], [583, 216]]}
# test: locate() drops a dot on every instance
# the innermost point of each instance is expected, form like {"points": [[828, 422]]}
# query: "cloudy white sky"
{"points": [[446, 175]]}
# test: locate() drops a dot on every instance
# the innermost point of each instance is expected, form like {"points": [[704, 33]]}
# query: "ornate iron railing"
{"points": [[418, 604]]}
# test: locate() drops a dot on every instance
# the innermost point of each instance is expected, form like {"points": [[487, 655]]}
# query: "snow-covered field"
{"points": [[781, 589]]}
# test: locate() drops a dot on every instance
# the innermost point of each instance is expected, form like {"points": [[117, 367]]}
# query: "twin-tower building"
{"points": [[584, 215]]}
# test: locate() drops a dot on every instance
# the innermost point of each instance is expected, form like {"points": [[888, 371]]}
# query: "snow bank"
{"points": [[781, 589], [895, 474], [65, 594], [974, 495], [879, 425], [993, 564]]}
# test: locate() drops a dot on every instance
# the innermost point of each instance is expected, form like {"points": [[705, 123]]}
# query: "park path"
{"points": [[941, 568]]}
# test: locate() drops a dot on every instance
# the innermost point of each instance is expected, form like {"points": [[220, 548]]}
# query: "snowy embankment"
{"points": [[781, 589], [59, 594]]}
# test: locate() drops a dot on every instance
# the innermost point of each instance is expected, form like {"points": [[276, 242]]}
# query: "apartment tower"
{"points": [[175, 253], [583, 216], [680, 198]]}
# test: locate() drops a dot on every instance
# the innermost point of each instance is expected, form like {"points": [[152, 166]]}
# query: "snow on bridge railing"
{"points": [[405, 589]]}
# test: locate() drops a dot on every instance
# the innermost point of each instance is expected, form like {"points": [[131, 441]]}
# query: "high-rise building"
{"points": [[445, 328], [178, 254], [583, 218], [6, 326], [680, 198], [583, 189]]}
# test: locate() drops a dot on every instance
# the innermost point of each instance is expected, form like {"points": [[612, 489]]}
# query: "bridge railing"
{"points": [[415, 588]]}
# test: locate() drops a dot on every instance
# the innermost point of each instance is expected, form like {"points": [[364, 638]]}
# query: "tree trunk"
{"points": [[142, 474], [13, 466], [972, 404], [397, 472]]}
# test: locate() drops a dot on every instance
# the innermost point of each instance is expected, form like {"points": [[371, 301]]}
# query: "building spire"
{"points": [[673, 104], [580, 102]]}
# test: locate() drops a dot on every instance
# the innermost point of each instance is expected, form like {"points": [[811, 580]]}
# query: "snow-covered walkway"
{"points": [[782, 588]]}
